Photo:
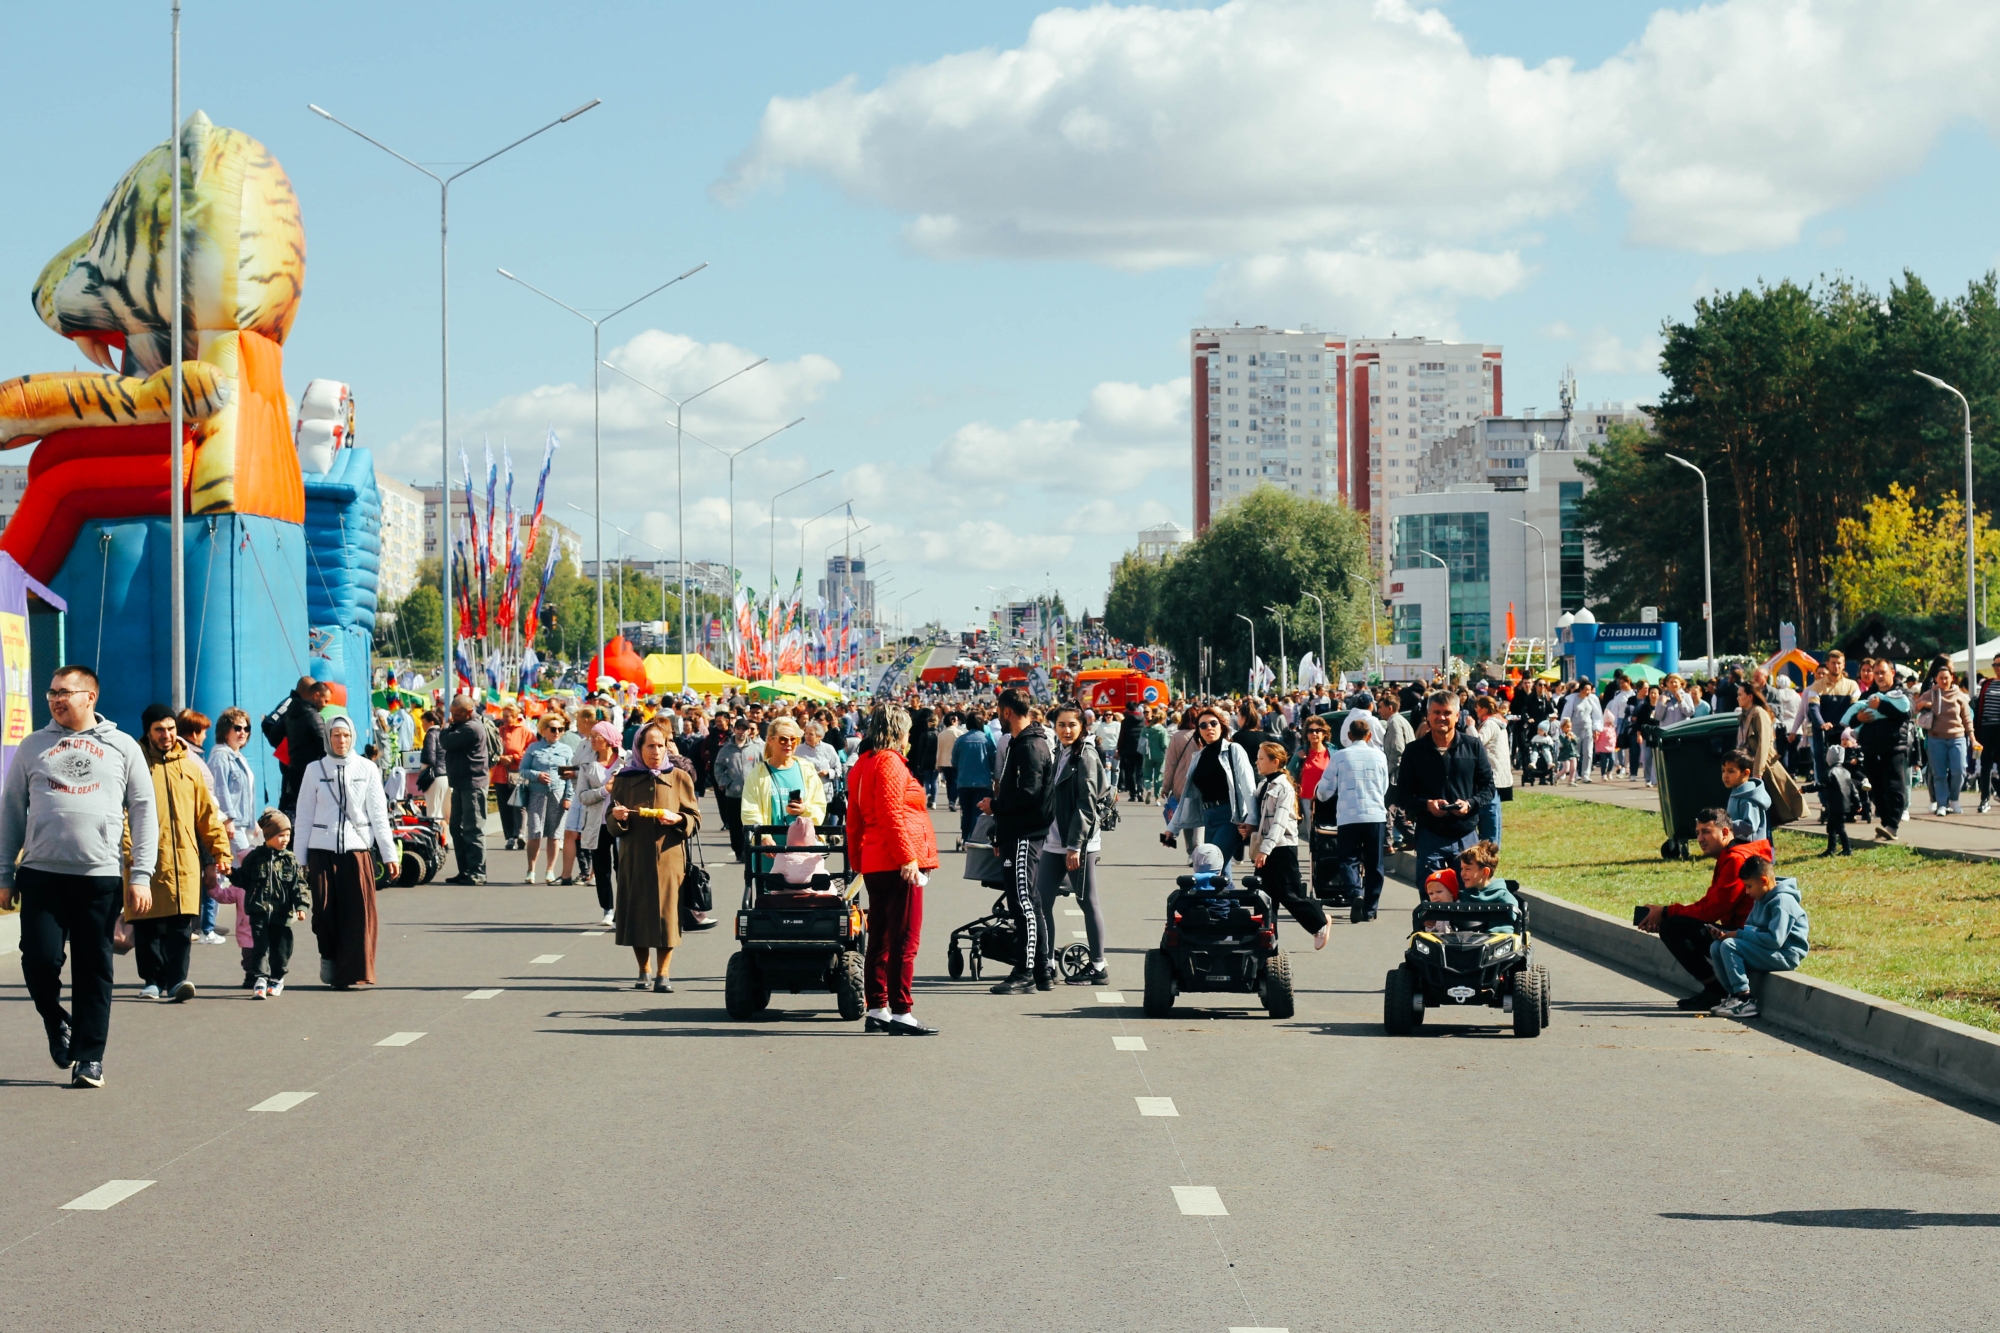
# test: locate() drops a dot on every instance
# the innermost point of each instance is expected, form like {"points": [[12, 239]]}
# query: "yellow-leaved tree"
{"points": [[1903, 559]]}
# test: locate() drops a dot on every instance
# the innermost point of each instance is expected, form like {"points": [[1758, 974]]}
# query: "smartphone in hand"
{"points": [[1639, 914]]}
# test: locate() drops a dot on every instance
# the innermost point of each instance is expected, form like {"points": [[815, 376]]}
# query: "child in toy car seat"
{"points": [[1471, 882]]}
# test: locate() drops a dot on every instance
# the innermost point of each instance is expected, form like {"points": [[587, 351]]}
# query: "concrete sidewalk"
{"points": [[1969, 836]]}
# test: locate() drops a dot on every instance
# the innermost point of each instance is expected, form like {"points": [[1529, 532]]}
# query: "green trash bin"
{"points": [[1687, 763]]}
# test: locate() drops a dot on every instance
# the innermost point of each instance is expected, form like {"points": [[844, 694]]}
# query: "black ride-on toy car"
{"points": [[1468, 961], [1220, 936], [797, 937]]}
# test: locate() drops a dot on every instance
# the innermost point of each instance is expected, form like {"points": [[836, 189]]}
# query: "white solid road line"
{"points": [[106, 1195], [485, 993], [592, 934], [283, 1101], [1072, 911], [1199, 1201], [546, 958], [1078, 935], [1237, 1329], [1128, 1043], [399, 1039], [1111, 997], [1156, 1106]]}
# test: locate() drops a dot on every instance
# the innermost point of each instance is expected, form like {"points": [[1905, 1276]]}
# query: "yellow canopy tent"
{"points": [[796, 687], [663, 672]]}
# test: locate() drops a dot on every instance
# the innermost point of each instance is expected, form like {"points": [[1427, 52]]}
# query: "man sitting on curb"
{"points": [[1771, 939], [1683, 927]]}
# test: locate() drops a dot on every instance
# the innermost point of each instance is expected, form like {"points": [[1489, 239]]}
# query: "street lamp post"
{"points": [[1447, 611], [444, 335], [828, 513], [1322, 633], [680, 501], [596, 414], [176, 497], [1284, 676], [732, 455], [774, 524], [1707, 566], [1374, 629], [1971, 552], [1253, 643], [1548, 622]]}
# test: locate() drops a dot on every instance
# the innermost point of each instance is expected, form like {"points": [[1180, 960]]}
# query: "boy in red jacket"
{"points": [[1683, 927]]}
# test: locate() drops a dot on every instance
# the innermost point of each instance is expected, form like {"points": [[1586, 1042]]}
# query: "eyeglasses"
{"points": [[1206, 723], [64, 694]]}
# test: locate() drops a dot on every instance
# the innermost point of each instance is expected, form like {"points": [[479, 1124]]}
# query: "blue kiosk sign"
{"points": [[1597, 650]]}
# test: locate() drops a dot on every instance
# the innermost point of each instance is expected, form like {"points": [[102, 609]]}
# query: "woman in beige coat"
{"points": [[190, 825], [1755, 734], [655, 814]]}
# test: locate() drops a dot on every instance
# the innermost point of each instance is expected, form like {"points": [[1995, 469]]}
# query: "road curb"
{"points": [[1961, 1058]]}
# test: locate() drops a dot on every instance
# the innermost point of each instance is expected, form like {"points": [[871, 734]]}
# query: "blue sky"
{"points": [[974, 268]]}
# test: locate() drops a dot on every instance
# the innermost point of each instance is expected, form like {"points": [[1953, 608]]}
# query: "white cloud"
{"points": [[1359, 155], [1603, 352], [1124, 434]]}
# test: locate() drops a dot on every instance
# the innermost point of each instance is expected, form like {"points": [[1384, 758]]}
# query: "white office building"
{"points": [[1471, 542], [1496, 449], [402, 539]]}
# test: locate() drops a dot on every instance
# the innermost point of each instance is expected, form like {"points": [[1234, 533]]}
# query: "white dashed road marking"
{"points": [[1111, 997], [1128, 1043], [106, 1195], [546, 958], [1199, 1201], [399, 1039], [1072, 911], [283, 1101], [484, 993], [592, 934], [1156, 1106], [1236, 1329], [1078, 935]]}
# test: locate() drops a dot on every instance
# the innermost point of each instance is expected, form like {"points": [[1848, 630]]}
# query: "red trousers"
{"points": [[895, 920]]}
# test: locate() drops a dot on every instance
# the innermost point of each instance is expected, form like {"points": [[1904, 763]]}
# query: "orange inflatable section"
{"points": [[264, 474]]}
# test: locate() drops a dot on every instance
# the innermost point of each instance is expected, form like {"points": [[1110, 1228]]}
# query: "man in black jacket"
{"points": [[1022, 806], [1443, 782], [466, 763], [1131, 741], [305, 737]]}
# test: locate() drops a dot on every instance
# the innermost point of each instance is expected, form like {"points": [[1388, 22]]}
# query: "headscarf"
{"points": [[633, 761]]}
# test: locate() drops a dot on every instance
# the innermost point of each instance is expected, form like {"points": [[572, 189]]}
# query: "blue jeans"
{"points": [[1947, 760], [1435, 852], [1489, 820], [1217, 828], [1734, 959], [209, 907]]}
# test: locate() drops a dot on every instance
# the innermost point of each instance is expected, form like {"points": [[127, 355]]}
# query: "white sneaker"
{"points": [[261, 990], [608, 921], [1953, 809], [277, 987], [531, 877], [215, 937]]}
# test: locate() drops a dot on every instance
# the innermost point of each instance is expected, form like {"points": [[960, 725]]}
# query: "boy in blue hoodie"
{"points": [[1773, 937], [1749, 803]]}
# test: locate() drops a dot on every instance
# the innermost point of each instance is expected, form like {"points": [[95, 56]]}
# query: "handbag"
{"points": [[122, 938], [697, 890], [1788, 803]]}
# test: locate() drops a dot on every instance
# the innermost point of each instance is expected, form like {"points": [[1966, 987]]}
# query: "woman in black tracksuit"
{"points": [[1069, 850]]}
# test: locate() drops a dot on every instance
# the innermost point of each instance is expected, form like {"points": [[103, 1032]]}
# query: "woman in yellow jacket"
{"points": [[779, 788], [190, 825]]}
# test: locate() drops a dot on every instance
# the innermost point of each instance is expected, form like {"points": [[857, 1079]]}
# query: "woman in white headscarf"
{"points": [[343, 824]]}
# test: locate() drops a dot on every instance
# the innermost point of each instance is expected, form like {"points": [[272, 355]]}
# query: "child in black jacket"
{"points": [[1838, 800], [274, 895]]}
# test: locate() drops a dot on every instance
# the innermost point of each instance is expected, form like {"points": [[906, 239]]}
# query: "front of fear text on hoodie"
{"points": [[67, 800]]}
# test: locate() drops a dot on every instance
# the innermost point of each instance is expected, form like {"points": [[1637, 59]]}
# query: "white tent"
{"points": [[1985, 653]]}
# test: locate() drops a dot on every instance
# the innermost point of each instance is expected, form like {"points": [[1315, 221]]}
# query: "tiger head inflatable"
{"points": [[243, 270]]}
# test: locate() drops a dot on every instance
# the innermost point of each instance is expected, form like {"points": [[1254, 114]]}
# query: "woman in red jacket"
{"points": [[891, 842]]}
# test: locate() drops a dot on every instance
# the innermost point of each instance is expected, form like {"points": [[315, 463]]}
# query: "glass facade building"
{"points": [[1463, 542]]}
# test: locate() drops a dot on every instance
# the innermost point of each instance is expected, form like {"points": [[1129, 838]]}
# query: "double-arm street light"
{"points": [[827, 513], [732, 455], [1971, 552], [596, 414], [444, 335], [1707, 566], [680, 503], [774, 524]]}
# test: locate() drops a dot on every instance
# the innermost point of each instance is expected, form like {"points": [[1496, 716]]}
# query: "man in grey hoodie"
{"points": [[76, 788]]}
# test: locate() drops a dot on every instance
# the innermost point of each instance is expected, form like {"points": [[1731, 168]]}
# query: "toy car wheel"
{"points": [[412, 871], [744, 993], [851, 986], [1400, 1013], [1073, 961], [1277, 987], [1527, 1003], [432, 864], [1160, 986], [955, 964], [1544, 988]]}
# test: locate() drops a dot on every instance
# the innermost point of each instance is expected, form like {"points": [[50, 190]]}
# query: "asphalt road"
{"points": [[571, 1154]]}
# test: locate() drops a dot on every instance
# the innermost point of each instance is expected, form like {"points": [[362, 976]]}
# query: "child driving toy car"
{"points": [[1471, 882]]}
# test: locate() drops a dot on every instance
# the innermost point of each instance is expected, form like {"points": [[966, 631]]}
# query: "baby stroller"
{"points": [[1334, 892], [1541, 758], [996, 937]]}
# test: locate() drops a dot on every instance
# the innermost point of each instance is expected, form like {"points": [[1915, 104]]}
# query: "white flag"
{"points": [[1310, 673]]}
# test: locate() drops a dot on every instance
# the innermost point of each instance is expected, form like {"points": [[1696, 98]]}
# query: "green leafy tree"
{"points": [[1270, 549], [1135, 589]]}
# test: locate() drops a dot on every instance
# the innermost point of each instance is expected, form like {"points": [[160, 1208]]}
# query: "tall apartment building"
{"points": [[1270, 405], [13, 485], [402, 539], [1407, 394], [847, 577]]}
